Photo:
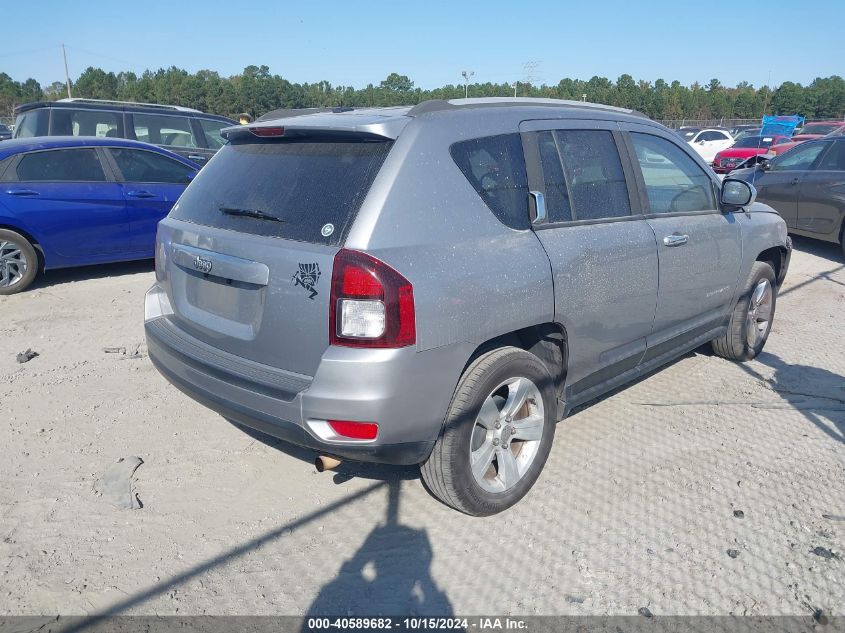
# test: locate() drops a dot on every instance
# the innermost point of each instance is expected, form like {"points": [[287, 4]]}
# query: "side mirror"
{"points": [[737, 193], [765, 165]]}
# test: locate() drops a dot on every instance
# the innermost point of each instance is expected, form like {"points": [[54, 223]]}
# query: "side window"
{"points": [[674, 182], [164, 130], [834, 160], [143, 166], [558, 205], [594, 174], [73, 165], [495, 167], [798, 158], [67, 122], [212, 132], [721, 136]]}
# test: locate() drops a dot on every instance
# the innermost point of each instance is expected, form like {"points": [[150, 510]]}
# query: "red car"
{"points": [[817, 129], [743, 149], [783, 147]]}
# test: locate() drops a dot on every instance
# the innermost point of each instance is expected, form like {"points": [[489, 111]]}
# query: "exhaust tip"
{"points": [[324, 463]]}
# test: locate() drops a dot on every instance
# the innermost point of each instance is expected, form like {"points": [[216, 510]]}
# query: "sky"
{"points": [[356, 43]]}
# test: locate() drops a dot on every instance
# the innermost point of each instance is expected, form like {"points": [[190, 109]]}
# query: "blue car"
{"points": [[76, 201]]}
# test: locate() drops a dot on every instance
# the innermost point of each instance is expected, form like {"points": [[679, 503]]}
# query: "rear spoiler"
{"points": [[276, 132]]}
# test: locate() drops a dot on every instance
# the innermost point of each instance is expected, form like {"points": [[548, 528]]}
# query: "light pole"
{"points": [[467, 74]]}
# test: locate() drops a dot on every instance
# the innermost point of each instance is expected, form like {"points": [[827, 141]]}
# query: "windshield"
{"points": [[300, 190], [688, 133], [820, 128], [755, 141]]}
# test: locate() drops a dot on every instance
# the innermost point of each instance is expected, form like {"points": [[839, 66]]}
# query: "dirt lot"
{"points": [[707, 488]]}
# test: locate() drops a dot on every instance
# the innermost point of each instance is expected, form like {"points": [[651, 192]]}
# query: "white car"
{"points": [[707, 143]]}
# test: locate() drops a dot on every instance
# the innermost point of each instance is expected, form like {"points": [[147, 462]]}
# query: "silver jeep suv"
{"points": [[440, 284]]}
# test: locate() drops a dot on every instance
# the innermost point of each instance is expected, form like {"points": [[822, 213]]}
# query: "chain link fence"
{"points": [[678, 123]]}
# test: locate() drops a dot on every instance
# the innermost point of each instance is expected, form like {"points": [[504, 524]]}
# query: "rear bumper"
{"points": [[404, 391], [406, 453]]}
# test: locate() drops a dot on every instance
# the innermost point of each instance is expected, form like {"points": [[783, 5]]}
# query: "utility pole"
{"points": [[467, 74], [584, 97], [67, 75], [529, 68]]}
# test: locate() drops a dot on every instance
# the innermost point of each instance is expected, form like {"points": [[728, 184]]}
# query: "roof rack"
{"points": [[285, 113], [436, 105], [129, 103]]}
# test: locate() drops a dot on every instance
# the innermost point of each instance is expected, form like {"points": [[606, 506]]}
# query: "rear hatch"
{"points": [[248, 249]]}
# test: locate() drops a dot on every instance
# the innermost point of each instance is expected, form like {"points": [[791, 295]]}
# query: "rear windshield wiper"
{"points": [[250, 213]]}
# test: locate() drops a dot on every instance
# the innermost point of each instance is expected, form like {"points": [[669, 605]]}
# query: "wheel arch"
{"points": [[776, 256], [39, 249], [547, 341]]}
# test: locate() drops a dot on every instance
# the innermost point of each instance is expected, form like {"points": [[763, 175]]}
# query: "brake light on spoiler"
{"points": [[267, 132]]}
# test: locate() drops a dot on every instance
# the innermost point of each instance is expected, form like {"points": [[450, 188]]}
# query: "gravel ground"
{"points": [[707, 488]]}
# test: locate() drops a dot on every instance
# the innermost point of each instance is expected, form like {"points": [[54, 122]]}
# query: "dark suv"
{"points": [[189, 133], [5, 133]]}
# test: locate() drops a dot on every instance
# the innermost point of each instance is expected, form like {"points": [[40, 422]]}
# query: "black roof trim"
{"points": [[140, 108]]}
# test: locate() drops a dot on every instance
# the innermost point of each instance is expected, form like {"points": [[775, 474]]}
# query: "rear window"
{"points": [[305, 191], [32, 123]]}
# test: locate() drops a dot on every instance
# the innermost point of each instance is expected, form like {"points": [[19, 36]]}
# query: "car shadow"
{"points": [[819, 248], [816, 393], [61, 276]]}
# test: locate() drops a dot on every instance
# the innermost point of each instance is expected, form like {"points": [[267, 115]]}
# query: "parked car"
{"points": [[190, 133], [77, 201], [5, 133], [785, 147], [312, 285], [736, 130], [709, 142], [743, 149], [817, 129], [754, 131], [807, 187]]}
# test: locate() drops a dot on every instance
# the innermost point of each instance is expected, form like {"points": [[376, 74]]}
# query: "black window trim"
{"points": [[646, 205], [536, 182], [10, 174], [118, 173]]}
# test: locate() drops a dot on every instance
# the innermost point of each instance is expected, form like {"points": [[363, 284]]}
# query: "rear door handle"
{"points": [[794, 181], [21, 192], [140, 194], [675, 240]]}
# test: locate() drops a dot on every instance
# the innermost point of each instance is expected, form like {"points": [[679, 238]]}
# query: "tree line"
{"points": [[257, 91]]}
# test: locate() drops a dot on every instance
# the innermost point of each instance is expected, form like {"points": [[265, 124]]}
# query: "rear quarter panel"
{"points": [[474, 278]]}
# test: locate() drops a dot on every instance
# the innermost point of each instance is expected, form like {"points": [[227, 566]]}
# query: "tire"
{"points": [[18, 262], [752, 316], [508, 387]]}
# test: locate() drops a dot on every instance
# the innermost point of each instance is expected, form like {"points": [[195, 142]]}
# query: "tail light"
{"points": [[371, 305], [354, 430]]}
